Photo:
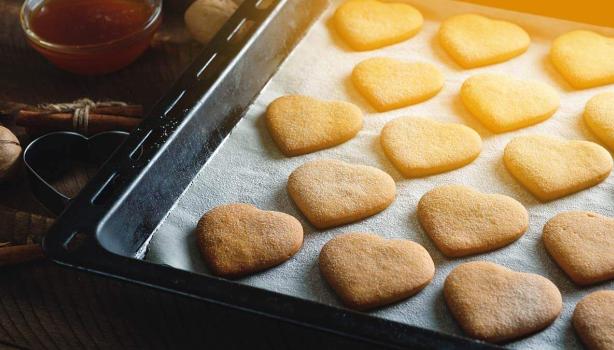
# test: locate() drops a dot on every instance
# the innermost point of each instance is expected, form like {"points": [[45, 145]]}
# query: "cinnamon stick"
{"points": [[123, 110], [10, 109], [13, 255], [18, 227], [64, 121], [20, 236], [135, 111]]}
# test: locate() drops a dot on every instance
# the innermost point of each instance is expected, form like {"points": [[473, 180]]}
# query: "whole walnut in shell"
{"points": [[9, 153], [205, 17]]}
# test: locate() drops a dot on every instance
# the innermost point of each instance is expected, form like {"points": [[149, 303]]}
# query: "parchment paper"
{"points": [[249, 168]]}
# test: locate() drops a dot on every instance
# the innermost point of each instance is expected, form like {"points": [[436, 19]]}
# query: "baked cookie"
{"points": [[390, 84], [331, 192], [420, 147], [593, 320], [371, 24], [462, 221], [599, 116], [367, 271], [474, 40], [552, 167], [503, 103], [582, 244], [584, 58], [496, 304], [239, 239], [302, 124]]}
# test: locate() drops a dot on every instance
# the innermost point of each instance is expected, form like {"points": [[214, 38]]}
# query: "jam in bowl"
{"points": [[90, 36]]}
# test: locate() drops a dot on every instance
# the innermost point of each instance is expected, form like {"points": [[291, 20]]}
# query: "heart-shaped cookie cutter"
{"points": [[49, 156]]}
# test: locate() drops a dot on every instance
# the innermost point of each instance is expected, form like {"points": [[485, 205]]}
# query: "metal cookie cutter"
{"points": [[50, 156]]}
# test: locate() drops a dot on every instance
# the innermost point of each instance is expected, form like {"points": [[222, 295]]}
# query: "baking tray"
{"points": [[108, 226], [105, 229]]}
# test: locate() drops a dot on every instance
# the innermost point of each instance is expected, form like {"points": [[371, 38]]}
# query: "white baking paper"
{"points": [[249, 168]]}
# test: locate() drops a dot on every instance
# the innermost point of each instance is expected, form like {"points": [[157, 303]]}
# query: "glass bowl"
{"points": [[92, 59]]}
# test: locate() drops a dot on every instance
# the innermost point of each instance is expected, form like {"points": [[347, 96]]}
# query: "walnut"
{"points": [[205, 17], [9, 154]]}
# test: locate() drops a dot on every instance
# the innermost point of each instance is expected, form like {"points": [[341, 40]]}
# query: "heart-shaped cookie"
{"points": [[599, 116], [331, 192], [371, 24], [302, 124], [367, 271], [593, 320], [462, 221], [584, 58], [496, 304], [582, 244], [420, 147], [552, 167], [503, 103], [390, 84], [238, 239], [474, 41]]}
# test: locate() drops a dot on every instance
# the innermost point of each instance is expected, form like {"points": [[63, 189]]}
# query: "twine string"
{"points": [[80, 110]]}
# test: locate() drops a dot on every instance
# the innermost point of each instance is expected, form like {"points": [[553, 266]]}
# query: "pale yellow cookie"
{"points": [[593, 320], [302, 124], [582, 244], [599, 116], [390, 84], [332, 192], [584, 58], [462, 221], [474, 40], [552, 167], [420, 147], [371, 24], [503, 103], [368, 271], [239, 239], [496, 304]]}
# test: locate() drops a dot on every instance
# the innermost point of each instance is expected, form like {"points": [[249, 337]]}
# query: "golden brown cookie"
{"points": [[584, 58], [582, 244], [496, 304], [462, 221], [368, 271], [420, 147], [552, 167], [593, 320], [332, 192], [503, 103], [238, 239], [390, 84], [599, 116], [371, 24], [473, 40], [302, 124]]}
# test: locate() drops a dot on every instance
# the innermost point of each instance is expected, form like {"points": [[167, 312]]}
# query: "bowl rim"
{"points": [[35, 39]]}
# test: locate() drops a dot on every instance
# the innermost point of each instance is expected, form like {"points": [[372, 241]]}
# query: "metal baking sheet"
{"points": [[248, 168]]}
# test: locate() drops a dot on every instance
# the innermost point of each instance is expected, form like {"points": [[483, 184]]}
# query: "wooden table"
{"points": [[46, 306]]}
